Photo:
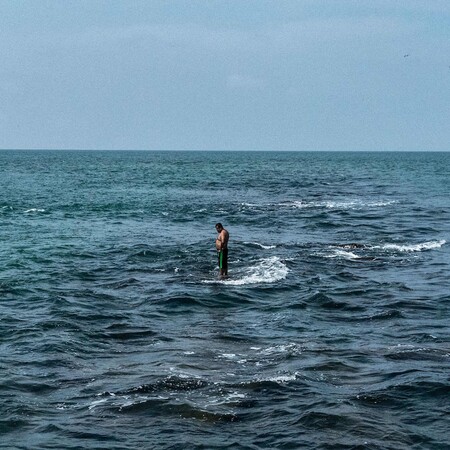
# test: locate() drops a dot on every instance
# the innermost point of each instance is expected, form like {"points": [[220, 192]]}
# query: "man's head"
{"points": [[219, 227]]}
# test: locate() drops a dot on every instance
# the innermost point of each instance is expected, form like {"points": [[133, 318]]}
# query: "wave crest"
{"points": [[267, 270], [430, 245]]}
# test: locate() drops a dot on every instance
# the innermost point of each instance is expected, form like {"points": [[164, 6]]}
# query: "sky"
{"points": [[297, 75]]}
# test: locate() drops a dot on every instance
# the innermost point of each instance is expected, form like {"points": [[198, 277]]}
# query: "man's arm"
{"points": [[224, 238]]}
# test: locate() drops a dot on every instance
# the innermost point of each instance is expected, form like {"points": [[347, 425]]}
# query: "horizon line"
{"points": [[218, 150]]}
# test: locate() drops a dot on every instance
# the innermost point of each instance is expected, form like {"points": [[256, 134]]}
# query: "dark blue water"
{"points": [[332, 331]]}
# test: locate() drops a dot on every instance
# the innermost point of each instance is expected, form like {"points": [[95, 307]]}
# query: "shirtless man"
{"points": [[222, 249]]}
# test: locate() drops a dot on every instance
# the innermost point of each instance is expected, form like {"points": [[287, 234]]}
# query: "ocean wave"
{"points": [[424, 246], [289, 349], [274, 380], [268, 270], [411, 352], [175, 395], [379, 316], [257, 244], [322, 204], [172, 383], [396, 395], [269, 384], [334, 204], [343, 254], [323, 301], [284, 378], [251, 205], [34, 210]]}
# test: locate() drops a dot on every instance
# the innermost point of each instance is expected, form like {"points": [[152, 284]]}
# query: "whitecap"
{"points": [[283, 378], [227, 355], [343, 254], [296, 204], [96, 403], [268, 270], [382, 203], [34, 210], [341, 205], [265, 247], [291, 348], [429, 245], [335, 204], [227, 398], [358, 204]]}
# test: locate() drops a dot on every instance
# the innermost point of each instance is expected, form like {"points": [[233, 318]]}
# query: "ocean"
{"points": [[331, 332]]}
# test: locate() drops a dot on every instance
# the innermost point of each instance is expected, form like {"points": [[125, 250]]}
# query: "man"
{"points": [[222, 249]]}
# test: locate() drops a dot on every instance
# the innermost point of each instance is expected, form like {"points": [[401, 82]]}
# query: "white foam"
{"points": [[297, 204], [341, 205], [283, 378], [96, 403], [268, 270], [430, 245], [265, 247], [227, 355], [34, 210], [357, 204], [383, 203], [343, 254], [345, 204], [227, 398], [291, 347]]}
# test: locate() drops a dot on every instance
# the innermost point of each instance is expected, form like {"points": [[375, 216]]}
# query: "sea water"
{"points": [[331, 332]]}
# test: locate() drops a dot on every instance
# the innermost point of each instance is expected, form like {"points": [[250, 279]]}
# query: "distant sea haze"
{"points": [[331, 330]]}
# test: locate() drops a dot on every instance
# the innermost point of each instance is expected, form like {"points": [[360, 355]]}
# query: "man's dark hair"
{"points": [[219, 225]]}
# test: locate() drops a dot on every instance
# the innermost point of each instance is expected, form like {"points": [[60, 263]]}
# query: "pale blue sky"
{"points": [[225, 74]]}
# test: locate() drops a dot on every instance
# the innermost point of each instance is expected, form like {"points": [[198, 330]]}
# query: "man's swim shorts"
{"points": [[223, 259]]}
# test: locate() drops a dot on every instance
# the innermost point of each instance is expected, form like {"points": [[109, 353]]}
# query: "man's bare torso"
{"points": [[222, 240]]}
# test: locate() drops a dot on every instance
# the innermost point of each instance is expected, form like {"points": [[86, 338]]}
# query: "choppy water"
{"points": [[332, 331]]}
